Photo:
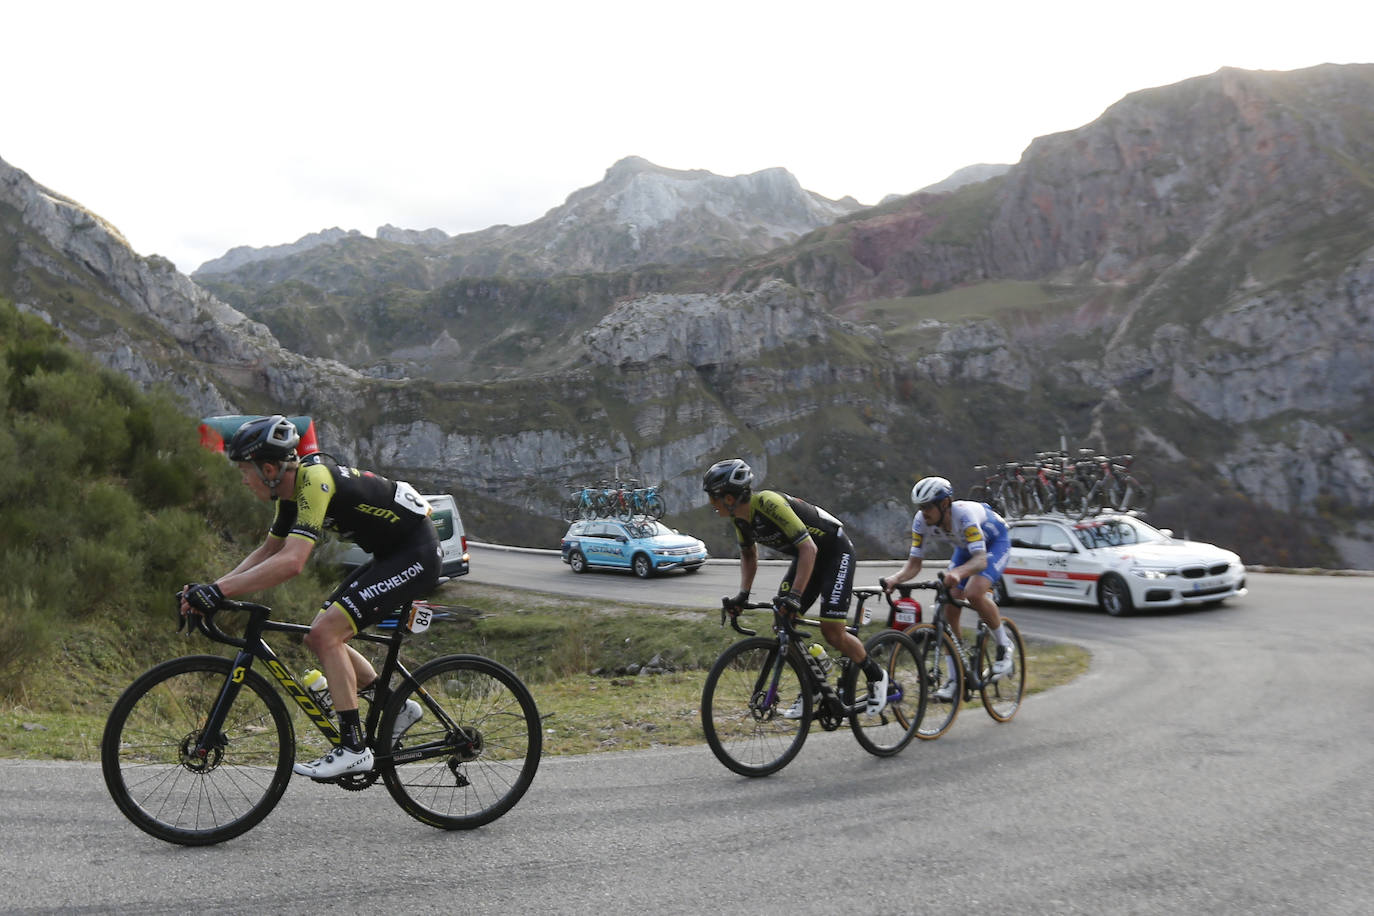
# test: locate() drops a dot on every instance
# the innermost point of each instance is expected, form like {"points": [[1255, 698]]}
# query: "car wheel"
{"points": [[999, 593], [1115, 596], [577, 561], [642, 566]]}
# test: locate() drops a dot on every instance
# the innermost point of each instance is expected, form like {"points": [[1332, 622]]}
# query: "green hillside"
{"points": [[111, 506]]}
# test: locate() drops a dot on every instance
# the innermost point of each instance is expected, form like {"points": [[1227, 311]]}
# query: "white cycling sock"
{"points": [[1003, 637]]}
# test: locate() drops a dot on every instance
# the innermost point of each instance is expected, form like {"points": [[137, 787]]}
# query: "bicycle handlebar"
{"points": [[726, 604], [788, 625], [204, 621], [864, 592]]}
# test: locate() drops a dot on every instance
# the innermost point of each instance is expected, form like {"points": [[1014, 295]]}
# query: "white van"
{"points": [[451, 537]]}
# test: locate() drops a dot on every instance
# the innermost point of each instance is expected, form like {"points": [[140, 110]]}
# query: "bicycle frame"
{"points": [[941, 623], [252, 646], [791, 638]]}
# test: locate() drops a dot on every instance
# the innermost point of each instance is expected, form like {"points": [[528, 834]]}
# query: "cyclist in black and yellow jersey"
{"points": [[822, 560], [389, 519]]}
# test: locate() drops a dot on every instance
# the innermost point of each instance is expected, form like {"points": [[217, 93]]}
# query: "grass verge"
{"points": [[587, 663]]}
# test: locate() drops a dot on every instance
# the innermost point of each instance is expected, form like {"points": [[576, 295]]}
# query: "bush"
{"points": [[114, 507]]}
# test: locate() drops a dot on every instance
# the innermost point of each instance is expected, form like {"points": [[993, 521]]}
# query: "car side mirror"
{"points": [[1062, 548], [1167, 532], [622, 539]]}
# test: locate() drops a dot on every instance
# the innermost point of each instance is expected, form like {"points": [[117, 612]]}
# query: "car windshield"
{"points": [[646, 529], [1115, 532]]}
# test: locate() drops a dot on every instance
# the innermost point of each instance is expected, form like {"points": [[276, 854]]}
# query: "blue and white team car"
{"points": [[641, 544], [1116, 562]]}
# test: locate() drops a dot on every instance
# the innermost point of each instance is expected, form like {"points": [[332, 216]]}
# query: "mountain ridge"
{"points": [[1185, 278], [749, 212]]}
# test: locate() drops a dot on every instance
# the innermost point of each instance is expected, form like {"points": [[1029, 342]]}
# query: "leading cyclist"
{"points": [[388, 519], [822, 561], [982, 547]]}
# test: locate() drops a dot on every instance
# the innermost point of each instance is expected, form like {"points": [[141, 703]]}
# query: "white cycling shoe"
{"points": [[411, 713], [877, 695], [945, 694], [795, 710], [341, 761], [1006, 661]]}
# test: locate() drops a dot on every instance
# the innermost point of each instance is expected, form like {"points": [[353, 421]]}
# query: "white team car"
{"points": [[1116, 562]]}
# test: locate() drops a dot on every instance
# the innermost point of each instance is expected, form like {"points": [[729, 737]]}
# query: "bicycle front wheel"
{"points": [[892, 729], [751, 728], [474, 750], [1002, 697], [943, 672], [168, 791]]}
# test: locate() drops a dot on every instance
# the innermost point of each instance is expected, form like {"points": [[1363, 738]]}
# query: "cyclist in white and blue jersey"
{"points": [[981, 548]]}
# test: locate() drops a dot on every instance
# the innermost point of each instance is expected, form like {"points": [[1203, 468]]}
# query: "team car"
{"points": [[1116, 562], [641, 544]]}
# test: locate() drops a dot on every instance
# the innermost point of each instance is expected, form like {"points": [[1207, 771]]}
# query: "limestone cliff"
{"points": [[1190, 278]]}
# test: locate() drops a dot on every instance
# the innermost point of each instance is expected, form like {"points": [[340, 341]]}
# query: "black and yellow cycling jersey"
{"points": [[377, 514], [782, 522]]}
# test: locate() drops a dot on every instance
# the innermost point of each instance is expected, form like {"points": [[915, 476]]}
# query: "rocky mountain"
{"points": [[235, 258], [1189, 278], [139, 315], [969, 174], [638, 214]]}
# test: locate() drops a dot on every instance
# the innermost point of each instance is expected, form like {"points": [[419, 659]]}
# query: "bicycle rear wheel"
{"points": [[1009, 498], [892, 729], [1002, 698], [941, 667], [475, 749], [1136, 492], [745, 727], [146, 752], [1073, 499]]}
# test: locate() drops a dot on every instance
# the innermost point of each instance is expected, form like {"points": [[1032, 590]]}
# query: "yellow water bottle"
{"points": [[822, 660], [318, 688]]}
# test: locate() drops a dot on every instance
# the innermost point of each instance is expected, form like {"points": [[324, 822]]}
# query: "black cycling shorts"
{"points": [[832, 579], [393, 580]]}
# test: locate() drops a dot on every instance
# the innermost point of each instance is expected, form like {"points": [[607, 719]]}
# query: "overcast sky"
{"points": [[195, 127]]}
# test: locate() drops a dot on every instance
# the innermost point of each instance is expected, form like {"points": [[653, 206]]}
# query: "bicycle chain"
{"points": [[354, 782]]}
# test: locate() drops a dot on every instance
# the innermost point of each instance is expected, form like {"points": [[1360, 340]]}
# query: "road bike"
{"points": [[1113, 486], [1004, 489], [763, 693], [606, 501], [199, 749], [1053, 487], [582, 503], [1056, 482], [646, 501], [946, 659]]}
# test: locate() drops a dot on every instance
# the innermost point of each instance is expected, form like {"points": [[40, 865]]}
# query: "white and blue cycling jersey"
{"points": [[977, 527]]}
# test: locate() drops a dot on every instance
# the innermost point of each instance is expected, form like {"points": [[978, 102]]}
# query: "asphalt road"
{"points": [[1211, 761]]}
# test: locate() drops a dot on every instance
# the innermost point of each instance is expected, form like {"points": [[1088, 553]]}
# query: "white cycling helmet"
{"points": [[931, 490]]}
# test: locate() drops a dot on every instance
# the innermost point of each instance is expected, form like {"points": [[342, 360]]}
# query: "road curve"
{"points": [[1211, 761]]}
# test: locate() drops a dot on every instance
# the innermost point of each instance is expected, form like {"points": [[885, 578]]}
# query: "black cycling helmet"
{"points": [[729, 476], [271, 438]]}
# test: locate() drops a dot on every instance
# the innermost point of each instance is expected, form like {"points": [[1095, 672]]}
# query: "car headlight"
{"points": [[1146, 572]]}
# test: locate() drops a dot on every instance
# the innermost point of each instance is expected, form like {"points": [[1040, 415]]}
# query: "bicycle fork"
{"points": [[765, 700]]}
